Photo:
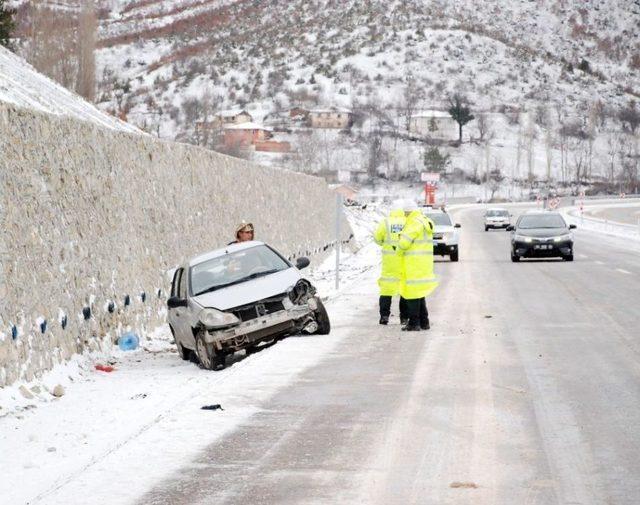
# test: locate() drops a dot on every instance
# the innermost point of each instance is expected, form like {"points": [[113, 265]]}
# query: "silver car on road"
{"points": [[238, 297]]}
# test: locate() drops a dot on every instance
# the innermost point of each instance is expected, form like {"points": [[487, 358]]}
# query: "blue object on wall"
{"points": [[86, 313], [127, 301], [111, 307], [43, 326], [63, 321], [14, 332], [129, 341], [143, 296]]}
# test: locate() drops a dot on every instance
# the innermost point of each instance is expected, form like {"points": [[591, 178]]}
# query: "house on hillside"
{"points": [[230, 117], [434, 124], [331, 118], [245, 135]]}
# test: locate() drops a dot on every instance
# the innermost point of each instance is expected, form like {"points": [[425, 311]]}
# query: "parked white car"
{"points": [[496, 218], [445, 233], [237, 297]]}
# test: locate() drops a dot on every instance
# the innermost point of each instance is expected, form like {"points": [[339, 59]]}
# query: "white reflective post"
{"points": [[338, 215]]}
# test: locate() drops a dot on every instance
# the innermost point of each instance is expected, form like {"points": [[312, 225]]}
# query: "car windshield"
{"points": [[234, 268], [541, 221], [497, 213], [439, 219]]}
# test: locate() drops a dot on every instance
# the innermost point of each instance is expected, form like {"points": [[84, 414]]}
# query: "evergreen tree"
{"points": [[6, 24], [460, 112], [434, 161]]}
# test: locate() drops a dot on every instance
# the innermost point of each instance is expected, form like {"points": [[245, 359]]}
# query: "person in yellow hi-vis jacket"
{"points": [[386, 236], [415, 245]]}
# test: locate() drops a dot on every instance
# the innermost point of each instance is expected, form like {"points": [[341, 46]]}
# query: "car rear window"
{"points": [[497, 213]]}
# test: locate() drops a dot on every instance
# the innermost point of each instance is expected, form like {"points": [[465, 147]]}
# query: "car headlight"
{"points": [[213, 318], [562, 238], [522, 238]]}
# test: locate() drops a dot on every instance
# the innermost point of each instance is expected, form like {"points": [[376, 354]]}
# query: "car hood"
{"points": [[542, 232], [250, 291]]}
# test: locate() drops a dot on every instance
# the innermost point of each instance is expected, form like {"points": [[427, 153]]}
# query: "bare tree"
{"points": [[412, 96], [86, 42], [630, 117], [485, 129]]}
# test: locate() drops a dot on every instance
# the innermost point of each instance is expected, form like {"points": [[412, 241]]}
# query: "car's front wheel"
{"points": [[486, 228], [454, 255], [208, 358], [515, 258], [568, 257], [322, 319]]}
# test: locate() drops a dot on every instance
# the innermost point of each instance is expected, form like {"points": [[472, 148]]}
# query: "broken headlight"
{"points": [[301, 292], [213, 318]]}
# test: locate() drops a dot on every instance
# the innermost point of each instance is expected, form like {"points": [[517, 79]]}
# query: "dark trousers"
{"points": [[385, 307], [417, 312]]}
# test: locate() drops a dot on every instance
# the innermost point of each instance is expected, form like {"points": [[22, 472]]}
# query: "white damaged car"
{"points": [[238, 297]]}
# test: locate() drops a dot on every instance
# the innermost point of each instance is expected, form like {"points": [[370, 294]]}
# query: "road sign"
{"points": [[430, 177]]}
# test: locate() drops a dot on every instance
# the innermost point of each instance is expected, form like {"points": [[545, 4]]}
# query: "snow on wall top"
{"points": [[23, 86]]}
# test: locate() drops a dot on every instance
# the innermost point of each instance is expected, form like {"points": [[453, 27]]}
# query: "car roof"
{"points": [[216, 253], [497, 208]]}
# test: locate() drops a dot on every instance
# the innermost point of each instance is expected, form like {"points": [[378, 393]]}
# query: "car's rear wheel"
{"points": [[568, 257], [454, 256], [486, 228], [515, 258], [322, 319], [208, 358]]}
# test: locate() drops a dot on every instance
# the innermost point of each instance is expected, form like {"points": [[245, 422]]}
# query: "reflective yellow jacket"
{"points": [[386, 235], [416, 244]]}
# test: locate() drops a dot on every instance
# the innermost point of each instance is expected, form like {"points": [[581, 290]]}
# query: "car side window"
{"points": [[182, 285], [174, 283]]}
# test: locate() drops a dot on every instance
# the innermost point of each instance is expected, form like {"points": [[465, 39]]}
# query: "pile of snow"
{"points": [[23, 86]]}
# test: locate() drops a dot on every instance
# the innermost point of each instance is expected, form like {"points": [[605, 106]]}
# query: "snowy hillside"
{"points": [[546, 74], [21, 85]]}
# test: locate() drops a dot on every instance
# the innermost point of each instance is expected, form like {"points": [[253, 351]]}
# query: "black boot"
{"points": [[425, 326], [384, 320], [411, 327]]}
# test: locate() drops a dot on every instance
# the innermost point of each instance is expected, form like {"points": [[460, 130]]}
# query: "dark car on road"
{"points": [[541, 234]]}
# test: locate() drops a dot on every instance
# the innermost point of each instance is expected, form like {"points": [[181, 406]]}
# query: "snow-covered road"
{"points": [[524, 391]]}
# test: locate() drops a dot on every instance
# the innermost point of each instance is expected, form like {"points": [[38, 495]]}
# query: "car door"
{"points": [[178, 316]]}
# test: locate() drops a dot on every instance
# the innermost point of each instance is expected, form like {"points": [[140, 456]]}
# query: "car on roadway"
{"points": [[541, 234], [496, 218], [239, 297], [445, 233]]}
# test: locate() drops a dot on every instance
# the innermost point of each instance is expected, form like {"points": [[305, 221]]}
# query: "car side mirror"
{"points": [[510, 227], [457, 225], [302, 262], [572, 226], [175, 302]]}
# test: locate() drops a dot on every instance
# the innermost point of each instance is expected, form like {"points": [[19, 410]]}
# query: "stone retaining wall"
{"points": [[92, 218]]}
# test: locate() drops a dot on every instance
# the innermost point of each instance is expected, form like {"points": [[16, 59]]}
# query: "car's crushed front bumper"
{"points": [[246, 333]]}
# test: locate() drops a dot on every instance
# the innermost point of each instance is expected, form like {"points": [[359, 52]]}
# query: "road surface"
{"points": [[525, 391]]}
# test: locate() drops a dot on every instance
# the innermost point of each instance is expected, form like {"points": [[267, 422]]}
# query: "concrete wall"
{"points": [[89, 216]]}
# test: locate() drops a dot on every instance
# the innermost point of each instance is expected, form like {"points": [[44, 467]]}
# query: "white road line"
{"points": [[622, 271], [599, 262], [583, 256]]}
